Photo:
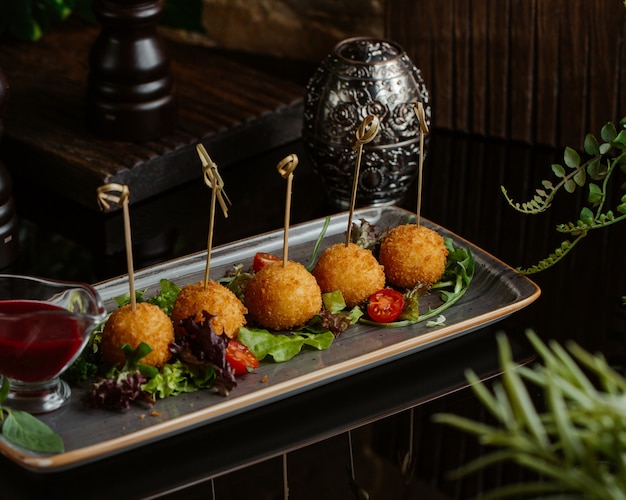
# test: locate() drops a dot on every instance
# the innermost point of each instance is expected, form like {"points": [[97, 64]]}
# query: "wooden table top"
{"points": [[235, 109]]}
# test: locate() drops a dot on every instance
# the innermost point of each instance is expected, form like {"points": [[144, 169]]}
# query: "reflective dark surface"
{"points": [[462, 192], [580, 301]]}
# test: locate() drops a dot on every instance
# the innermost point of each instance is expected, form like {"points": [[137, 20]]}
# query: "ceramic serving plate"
{"points": [[496, 291]]}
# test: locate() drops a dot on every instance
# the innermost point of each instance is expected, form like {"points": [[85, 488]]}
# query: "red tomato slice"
{"points": [[262, 259], [384, 306], [240, 358]]}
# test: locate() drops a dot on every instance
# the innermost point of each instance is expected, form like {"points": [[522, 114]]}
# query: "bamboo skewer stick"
{"points": [[365, 133], [423, 126], [212, 179], [105, 195], [209, 244], [285, 168]]}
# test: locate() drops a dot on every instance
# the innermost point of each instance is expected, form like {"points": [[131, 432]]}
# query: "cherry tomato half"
{"points": [[384, 306], [262, 259], [240, 358]]}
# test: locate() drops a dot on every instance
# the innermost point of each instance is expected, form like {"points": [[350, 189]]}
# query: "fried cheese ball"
{"points": [[147, 323], [351, 269], [282, 297], [227, 310], [413, 254]]}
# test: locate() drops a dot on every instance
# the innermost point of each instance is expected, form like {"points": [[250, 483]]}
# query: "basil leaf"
{"points": [[29, 432]]}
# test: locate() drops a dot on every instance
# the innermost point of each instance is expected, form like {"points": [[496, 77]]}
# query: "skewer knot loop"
{"points": [[106, 194], [287, 165], [367, 131], [213, 179], [418, 107]]}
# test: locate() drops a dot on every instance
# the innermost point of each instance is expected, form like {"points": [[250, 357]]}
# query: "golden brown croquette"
{"points": [[413, 254], [351, 269], [147, 323], [282, 297], [227, 310]]}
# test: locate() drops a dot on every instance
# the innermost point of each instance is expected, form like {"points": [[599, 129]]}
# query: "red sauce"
{"points": [[36, 347]]}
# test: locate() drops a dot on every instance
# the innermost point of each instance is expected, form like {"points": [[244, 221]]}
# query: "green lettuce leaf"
{"points": [[177, 378], [282, 347]]}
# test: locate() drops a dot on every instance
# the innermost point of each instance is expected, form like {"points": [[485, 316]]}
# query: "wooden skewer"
{"points": [[364, 134], [285, 168], [421, 116], [105, 194], [212, 179]]}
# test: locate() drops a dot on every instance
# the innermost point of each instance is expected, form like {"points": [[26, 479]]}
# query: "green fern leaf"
{"points": [[558, 170]]}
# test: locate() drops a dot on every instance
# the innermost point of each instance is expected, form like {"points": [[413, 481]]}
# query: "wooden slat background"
{"points": [[538, 71]]}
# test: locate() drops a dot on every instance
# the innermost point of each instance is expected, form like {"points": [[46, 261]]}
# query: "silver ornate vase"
{"points": [[365, 76]]}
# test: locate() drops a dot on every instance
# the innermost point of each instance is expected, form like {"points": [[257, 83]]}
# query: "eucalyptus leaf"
{"points": [[621, 138], [580, 177], [570, 186], [571, 158], [608, 132], [596, 169], [591, 145], [595, 194], [586, 216], [605, 148]]}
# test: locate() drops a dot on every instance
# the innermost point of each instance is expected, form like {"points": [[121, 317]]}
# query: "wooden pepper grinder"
{"points": [[130, 91], [8, 220]]}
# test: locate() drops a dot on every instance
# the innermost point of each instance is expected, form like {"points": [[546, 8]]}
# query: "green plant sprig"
{"points": [[25, 430], [595, 173], [576, 445]]}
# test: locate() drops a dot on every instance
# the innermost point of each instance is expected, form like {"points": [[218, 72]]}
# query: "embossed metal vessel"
{"points": [[365, 76]]}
